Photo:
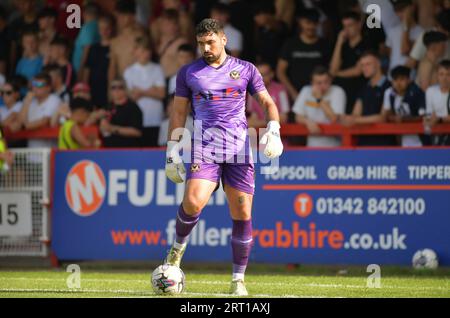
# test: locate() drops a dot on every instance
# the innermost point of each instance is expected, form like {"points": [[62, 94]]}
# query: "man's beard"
{"points": [[211, 58]]}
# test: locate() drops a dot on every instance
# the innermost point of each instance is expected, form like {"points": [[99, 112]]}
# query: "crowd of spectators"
{"points": [[320, 61]]}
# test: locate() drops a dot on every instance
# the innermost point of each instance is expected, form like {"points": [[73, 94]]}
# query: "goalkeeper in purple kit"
{"points": [[215, 87]]}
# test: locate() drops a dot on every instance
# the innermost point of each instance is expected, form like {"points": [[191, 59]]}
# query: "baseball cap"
{"points": [[81, 88]]}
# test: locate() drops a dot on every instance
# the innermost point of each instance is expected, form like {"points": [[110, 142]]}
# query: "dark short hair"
{"points": [[263, 62], [186, 48], [207, 26], [92, 8], [351, 15], [433, 37], [126, 6], [14, 84], [265, 7], [81, 103], [3, 13], [443, 19], [320, 70], [400, 4], [60, 41], [29, 32], [309, 14], [53, 68], [47, 12], [400, 71], [370, 53], [221, 7], [171, 15], [444, 64]]}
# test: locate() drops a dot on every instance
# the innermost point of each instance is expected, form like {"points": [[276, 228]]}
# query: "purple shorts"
{"points": [[238, 176]]}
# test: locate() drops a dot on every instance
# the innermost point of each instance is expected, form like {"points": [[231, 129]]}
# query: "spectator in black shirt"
{"points": [[344, 65], [301, 54], [270, 34], [98, 61], [375, 38], [369, 103], [27, 21], [121, 126], [4, 42]]}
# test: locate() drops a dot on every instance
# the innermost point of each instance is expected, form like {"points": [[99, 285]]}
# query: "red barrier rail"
{"points": [[348, 134], [47, 133]]}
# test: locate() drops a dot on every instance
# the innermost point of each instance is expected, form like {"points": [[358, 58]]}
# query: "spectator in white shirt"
{"points": [[147, 86], [438, 101], [9, 113], [435, 43], [221, 12], [419, 50], [320, 103], [38, 108], [401, 38]]}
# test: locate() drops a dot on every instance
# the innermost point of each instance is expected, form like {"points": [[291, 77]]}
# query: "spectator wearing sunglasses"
{"points": [[38, 108], [9, 114], [121, 126]]}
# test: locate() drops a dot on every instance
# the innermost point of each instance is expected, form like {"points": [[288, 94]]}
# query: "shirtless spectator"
{"points": [[185, 21], [122, 46], [47, 31], [169, 42]]}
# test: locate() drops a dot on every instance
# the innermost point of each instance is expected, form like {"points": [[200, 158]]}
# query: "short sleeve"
{"points": [[285, 53], [284, 102], [389, 41], [418, 51], [419, 106], [387, 100], [255, 83], [339, 100], [127, 76], [182, 89], [158, 77], [52, 106], [299, 105], [136, 117], [429, 101]]}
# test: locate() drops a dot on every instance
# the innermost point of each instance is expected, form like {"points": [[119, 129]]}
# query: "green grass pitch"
{"points": [[262, 281]]}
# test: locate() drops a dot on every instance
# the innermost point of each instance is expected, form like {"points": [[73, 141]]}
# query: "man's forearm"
{"points": [[155, 92], [37, 124], [177, 120], [372, 119]]}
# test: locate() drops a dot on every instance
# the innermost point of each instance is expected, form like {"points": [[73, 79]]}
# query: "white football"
{"points": [[425, 259], [167, 280]]}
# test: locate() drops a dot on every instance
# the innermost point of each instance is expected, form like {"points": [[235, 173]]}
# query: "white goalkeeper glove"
{"points": [[272, 140], [175, 170]]}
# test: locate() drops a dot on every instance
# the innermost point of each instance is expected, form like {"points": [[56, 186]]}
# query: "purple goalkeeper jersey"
{"points": [[218, 97]]}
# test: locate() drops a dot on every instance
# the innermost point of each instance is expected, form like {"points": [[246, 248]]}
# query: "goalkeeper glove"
{"points": [[175, 170], [272, 140]]}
